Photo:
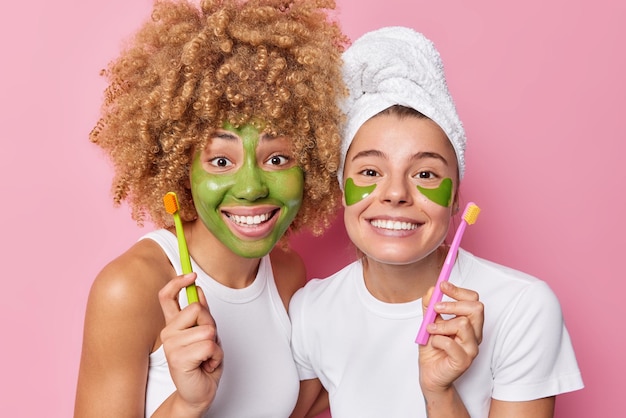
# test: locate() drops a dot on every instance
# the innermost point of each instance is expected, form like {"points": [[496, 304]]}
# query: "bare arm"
{"points": [[312, 400], [122, 323], [320, 405], [539, 408]]}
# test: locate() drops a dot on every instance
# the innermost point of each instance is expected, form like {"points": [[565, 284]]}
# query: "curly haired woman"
{"points": [[233, 106]]}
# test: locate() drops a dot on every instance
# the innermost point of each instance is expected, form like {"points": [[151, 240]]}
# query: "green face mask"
{"points": [[251, 208], [442, 195]]}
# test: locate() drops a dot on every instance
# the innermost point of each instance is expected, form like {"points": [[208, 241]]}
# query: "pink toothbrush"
{"points": [[469, 217]]}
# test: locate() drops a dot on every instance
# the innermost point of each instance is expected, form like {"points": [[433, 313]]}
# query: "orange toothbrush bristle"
{"points": [[171, 203]]}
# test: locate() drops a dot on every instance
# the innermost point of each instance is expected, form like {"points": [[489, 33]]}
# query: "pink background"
{"points": [[540, 87]]}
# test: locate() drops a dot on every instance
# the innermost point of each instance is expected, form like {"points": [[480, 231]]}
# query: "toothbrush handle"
{"points": [[437, 296], [185, 260], [192, 294], [429, 316]]}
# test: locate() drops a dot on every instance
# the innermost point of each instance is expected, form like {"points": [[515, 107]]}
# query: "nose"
{"points": [[250, 183], [396, 190]]}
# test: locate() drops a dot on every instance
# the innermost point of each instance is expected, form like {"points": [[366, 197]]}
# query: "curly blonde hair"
{"points": [[189, 69]]}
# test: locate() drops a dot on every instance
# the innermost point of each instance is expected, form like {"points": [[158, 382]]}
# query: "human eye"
{"points": [[368, 172], [426, 175], [278, 160], [220, 162]]}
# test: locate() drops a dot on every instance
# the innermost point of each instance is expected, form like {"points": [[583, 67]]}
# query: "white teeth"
{"points": [[250, 220], [393, 225]]}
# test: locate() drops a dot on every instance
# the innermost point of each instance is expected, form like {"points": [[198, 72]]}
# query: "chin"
{"points": [[397, 258], [391, 259], [252, 251]]}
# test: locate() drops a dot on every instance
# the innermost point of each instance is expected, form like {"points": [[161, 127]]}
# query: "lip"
{"points": [[251, 222]]}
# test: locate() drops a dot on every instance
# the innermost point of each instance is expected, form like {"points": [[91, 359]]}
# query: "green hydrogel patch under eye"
{"points": [[441, 195], [356, 193]]}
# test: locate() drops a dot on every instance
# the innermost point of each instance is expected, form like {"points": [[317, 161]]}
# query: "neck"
{"points": [[218, 261], [393, 283]]}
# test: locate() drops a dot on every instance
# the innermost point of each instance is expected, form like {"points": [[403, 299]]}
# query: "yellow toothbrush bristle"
{"points": [[170, 202], [471, 213]]}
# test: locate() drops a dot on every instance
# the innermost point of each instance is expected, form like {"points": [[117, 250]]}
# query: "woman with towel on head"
{"points": [[354, 332]]}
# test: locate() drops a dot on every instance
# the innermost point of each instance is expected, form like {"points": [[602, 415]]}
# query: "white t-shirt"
{"points": [[259, 378], [363, 350]]}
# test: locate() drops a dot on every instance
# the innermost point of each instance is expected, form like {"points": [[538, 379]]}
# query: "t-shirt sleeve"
{"points": [[299, 345], [534, 357]]}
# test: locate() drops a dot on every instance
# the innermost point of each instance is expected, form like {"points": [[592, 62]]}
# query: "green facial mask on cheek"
{"points": [[354, 193], [441, 195]]}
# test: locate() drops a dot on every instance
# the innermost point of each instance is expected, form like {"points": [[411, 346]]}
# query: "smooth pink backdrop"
{"points": [[540, 88]]}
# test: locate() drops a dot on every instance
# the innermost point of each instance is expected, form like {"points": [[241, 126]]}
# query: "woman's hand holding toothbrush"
{"points": [[452, 345]]}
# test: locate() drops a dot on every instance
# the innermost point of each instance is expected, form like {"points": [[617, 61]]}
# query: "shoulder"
{"points": [[141, 268], [511, 296], [126, 290], [328, 291], [506, 290], [489, 277]]}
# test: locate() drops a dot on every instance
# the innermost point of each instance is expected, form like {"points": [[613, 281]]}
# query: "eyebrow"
{"points": [[427, 154], [369, 153], [418, 156], [225, 135], [229, 136], [268, 137]]}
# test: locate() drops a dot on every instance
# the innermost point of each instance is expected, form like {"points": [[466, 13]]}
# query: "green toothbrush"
{"points": [[171, 206]]}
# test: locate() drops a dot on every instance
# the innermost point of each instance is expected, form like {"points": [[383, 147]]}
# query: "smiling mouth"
{"points": [[251, 220], [393, 225]]}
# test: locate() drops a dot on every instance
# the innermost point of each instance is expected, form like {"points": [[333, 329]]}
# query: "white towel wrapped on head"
{"points": [[397, 66]]}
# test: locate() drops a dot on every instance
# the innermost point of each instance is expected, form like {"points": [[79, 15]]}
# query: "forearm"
{"points": [[320, 405], [312, 400], [445, 404], [175, 407]]}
